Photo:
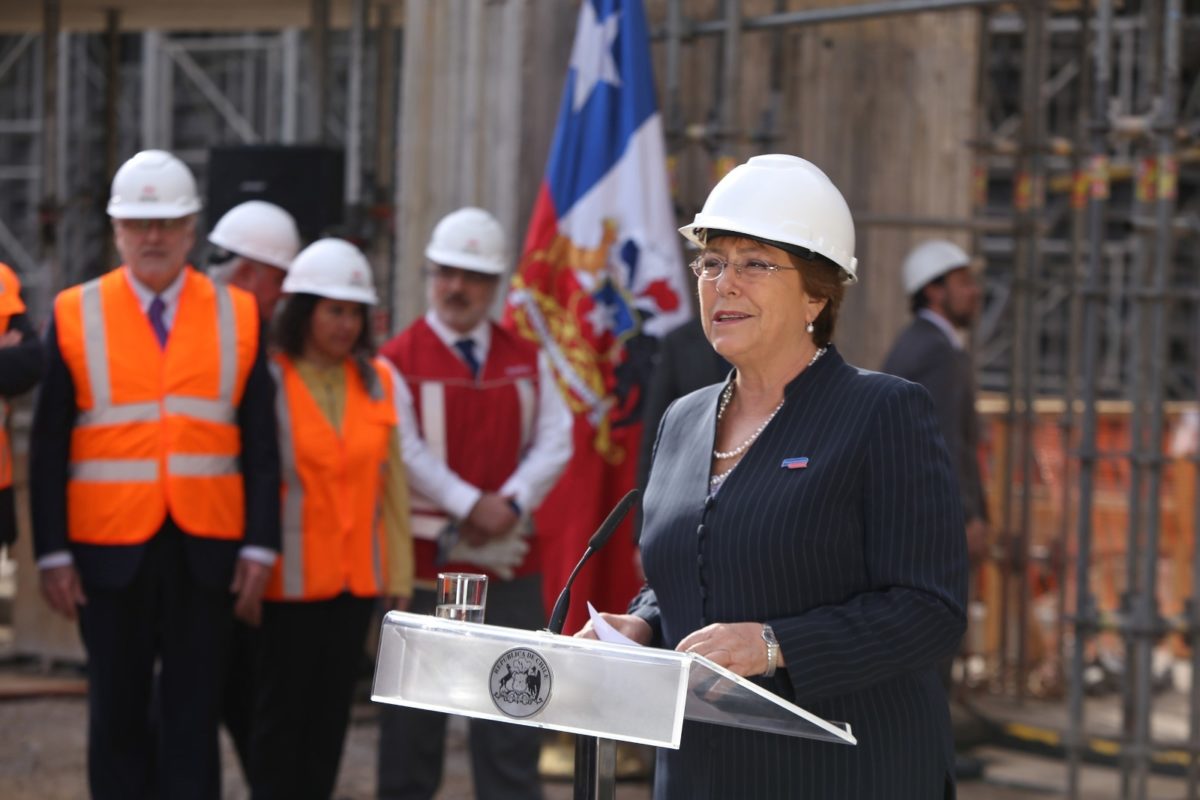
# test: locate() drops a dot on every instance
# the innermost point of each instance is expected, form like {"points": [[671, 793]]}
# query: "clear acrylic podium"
{"points": [[602, 692]]}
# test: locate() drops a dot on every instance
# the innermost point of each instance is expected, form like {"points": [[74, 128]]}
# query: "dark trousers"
{"points": [[237, 710], [163, 614], [308, 657], [504, 758]]}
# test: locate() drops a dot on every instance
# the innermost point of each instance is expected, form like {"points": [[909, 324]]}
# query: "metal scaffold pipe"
{"points": [[318, 89], [731, 71], [820, 16], [354, 103], [1068, 422], [1138, 602], [674, 33], [50, 199], [1028, 203], [1147, 613], [1096, 207]]}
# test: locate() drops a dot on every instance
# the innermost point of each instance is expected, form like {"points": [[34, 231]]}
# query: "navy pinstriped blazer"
{"points": [[857, 561]]}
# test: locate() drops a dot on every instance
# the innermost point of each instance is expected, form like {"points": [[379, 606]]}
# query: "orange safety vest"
{"points": [[156, 430], [10, 306], [333, 538]]}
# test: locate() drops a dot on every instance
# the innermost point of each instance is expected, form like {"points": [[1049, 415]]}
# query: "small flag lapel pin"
{"points": [[795, 463]]}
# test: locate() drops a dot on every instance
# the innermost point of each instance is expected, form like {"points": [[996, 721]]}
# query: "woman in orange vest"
{"points": [[346, 540], [20, 369]]}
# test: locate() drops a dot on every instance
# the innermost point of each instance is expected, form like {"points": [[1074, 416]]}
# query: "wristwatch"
{"points": [[772, 650]]}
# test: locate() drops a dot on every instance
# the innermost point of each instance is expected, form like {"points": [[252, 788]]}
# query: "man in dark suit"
{"points": [[931, 351], [155, 486], [945, 298]]}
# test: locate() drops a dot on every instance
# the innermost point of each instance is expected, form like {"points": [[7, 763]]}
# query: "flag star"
{"points": [[602, 318], [591, 55]]}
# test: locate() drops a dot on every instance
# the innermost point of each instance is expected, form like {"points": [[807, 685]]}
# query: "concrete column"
{"points": [[354, 103]]}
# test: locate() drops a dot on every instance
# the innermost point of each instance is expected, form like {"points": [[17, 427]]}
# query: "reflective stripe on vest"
{"points": [[105, 412], [428, 519], [291, 560]]}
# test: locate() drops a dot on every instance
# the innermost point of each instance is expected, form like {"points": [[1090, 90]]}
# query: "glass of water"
{"points": [[461, 596]]}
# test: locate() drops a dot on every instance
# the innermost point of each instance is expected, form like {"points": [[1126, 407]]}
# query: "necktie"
{"points": [[466, 348], [157, 307]]}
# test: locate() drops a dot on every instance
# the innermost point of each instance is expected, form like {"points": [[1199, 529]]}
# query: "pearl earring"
{"points": [[809, 328]]}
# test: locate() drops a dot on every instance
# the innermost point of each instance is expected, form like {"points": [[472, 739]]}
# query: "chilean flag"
{"points": [[601, 276]]}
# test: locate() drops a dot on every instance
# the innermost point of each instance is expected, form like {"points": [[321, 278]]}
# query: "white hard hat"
{"points": [[783, 200], [259, 231], [470, 239], [929, 261], [153, 185], [331, 268]]}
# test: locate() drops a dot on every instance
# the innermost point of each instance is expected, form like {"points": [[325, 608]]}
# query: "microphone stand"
{"points": [[595, 758]]}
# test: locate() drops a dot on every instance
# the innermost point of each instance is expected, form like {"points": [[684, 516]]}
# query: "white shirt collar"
{"points": [[146, 295], [952, 333], [169, 295], [481, 334]]}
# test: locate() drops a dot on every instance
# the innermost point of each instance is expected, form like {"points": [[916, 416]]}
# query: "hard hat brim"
{"points": [[364, 296], [250, 253], [697, 234], [458, 260], [151, 210]]}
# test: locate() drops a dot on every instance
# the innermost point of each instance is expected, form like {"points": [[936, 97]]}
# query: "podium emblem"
{"points": [[520, 682]]}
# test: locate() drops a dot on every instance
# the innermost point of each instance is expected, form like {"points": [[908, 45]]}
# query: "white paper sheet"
{"points": [[606, 632]]}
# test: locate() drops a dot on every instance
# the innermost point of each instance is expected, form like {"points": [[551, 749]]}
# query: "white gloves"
{"points": [[500, 556]]}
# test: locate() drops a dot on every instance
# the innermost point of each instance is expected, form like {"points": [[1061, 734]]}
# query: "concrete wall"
{"points": [[481, 87], [886, 108]]}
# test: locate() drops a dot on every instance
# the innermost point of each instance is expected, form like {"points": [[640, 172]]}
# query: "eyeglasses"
{"points": [[710, 266], [143, 225], [468, 275]]}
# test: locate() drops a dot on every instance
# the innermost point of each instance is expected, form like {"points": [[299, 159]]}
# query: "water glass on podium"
{"points": [[461, 596]]}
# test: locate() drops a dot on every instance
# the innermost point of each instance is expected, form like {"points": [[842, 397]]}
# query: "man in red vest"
{"points": [[494, 436], [154, 479]]}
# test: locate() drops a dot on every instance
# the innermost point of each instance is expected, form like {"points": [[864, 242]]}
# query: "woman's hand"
{"points": [[632, 626], [737, 646]]}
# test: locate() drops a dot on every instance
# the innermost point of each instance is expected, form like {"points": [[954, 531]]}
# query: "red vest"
{"points": [[480, 426]]}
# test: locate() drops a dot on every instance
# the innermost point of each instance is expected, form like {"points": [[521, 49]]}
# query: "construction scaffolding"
{"points": [[1082, 198], [1085, 186], [77, 103]]}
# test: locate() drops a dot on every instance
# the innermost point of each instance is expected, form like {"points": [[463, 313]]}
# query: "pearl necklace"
{"points": [[726, 397]]}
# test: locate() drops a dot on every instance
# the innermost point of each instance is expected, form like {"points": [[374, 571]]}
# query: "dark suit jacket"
{"points": [[857, 561], [922, 354], [211, 560]]}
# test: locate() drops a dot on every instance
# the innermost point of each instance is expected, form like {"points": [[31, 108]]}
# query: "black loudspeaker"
{"points": [[308, 181]]}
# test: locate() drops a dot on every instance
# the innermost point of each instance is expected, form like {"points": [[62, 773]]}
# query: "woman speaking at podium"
{"points": [[801, 522]]}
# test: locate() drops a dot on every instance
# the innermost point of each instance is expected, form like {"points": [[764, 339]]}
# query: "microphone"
{"points": [[559, 615]]}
